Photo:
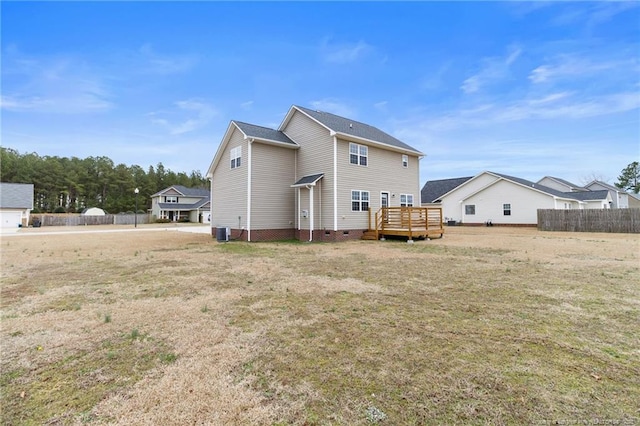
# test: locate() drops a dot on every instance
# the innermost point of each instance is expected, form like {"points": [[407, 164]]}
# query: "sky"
{"points": [[528, 89]]}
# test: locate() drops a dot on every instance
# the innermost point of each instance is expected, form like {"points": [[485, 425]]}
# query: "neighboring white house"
{"points": [[16, 203], [507, 200], [179, 203]]}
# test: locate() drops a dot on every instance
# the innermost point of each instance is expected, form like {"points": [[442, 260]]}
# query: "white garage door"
{"points": [[10, 219]]}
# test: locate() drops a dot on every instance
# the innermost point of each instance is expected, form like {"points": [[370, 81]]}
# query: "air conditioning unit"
{"points": [[222, 234]]}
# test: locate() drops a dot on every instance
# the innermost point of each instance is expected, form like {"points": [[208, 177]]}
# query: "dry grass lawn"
{"points": [[485, 326]]}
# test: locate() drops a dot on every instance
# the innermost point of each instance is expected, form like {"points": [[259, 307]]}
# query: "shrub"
{"points": [[163, 221], [59, 210]]}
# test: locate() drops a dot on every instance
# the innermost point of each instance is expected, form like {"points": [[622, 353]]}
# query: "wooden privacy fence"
{"points": [[590, 220], [77, 219]]}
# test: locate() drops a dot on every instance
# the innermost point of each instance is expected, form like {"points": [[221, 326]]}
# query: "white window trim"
{"points": [[470, 205], [405, 161], [505, 209], [359, 154], [360, 201], [406, 200], [234, 155]]}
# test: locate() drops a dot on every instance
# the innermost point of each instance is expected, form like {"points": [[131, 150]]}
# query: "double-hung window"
{"points": [[170, 199], [236, 157], [406, 200], [405, 161], [359, 201], [506, 209], [358, 154]]}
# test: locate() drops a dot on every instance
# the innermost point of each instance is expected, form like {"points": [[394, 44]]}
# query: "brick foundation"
{"points": [[290, 234]]}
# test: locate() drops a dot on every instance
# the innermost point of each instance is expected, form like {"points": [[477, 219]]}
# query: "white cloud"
{"points": [[187, 116], [246, 105], [572, 67], [156, 63], [343, 53], [60, 84], [493, 69]]}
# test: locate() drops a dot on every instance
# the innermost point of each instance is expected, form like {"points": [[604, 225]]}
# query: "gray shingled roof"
{"points": [[309, 179], [16, 195], [566, 182], [260, 132], [589, 195], [434, 189], [184, 206], [580, 196], [188, 192], [355, 128]]}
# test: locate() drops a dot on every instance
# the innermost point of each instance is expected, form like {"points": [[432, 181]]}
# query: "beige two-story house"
{"points": [[313, 178]]}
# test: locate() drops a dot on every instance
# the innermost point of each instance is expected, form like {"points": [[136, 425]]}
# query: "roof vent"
{"points": [[350, 126]]}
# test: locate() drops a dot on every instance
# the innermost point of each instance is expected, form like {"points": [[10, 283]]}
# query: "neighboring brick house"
{"points": [[179, 203], [314, 178]]}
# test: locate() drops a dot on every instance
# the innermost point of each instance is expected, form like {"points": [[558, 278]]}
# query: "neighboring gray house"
{"points": [[313, 178], [619, 197], [179, 203], [16, 203], [505, 200], [561, 185]]}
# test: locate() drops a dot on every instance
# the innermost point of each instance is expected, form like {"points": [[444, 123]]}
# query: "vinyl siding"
{"points": [[554, 184], [229, 187], [451, 208], [273, 199], [314, 156], [384, 172], [524, 204]]}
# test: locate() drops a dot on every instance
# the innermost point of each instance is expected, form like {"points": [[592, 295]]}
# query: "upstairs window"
{"points": [[170, 199], [506, 209], [406, 200], [236, 157], [358, 154], [405, 161], [359, 201]]}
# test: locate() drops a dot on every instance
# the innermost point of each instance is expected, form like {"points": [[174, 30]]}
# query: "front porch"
{"points": [[410, 222]]}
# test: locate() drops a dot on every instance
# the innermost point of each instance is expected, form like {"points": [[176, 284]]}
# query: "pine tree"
{"points": [[629, 178]]}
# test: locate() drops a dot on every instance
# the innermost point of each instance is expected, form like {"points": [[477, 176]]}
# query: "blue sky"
{"points": [[527, 89]]}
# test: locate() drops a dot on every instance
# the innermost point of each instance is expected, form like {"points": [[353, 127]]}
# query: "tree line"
{"points": [[70, 185]]}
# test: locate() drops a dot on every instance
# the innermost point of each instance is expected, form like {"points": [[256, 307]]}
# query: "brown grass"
{"points": [[485, 326]]}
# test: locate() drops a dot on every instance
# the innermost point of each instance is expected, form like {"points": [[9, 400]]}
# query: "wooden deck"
{"points": [[410, 222]]}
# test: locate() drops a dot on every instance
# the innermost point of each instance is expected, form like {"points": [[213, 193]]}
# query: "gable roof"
{"points": [[263, 133], [16, 195], [187, 192], [605, 185], [434, 189], [571, 185], [351, 128]]}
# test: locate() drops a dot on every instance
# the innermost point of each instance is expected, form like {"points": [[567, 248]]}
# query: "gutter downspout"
{"points": [[310, 188], [335, 181], [250, 142]]}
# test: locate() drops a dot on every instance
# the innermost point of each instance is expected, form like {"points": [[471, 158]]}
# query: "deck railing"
{"points": [[409, 221]]}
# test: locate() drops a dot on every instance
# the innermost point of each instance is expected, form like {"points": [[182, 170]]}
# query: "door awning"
{"points": [[309, 180]]}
